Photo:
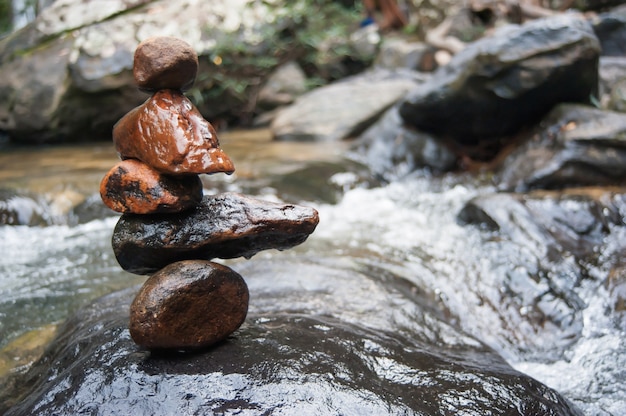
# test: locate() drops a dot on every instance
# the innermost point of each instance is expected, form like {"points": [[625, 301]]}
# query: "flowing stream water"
{"points": [[408, 228]]}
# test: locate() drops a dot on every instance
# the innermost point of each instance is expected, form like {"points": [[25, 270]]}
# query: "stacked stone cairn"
{"points": [[168, 229]]}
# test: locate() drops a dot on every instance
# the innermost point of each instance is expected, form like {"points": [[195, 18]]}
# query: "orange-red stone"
{"points": [[168, 133], [135, 188], [165, 63]]}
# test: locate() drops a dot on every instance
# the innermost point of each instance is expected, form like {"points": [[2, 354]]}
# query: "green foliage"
{"points": [[6, 16], [312, 32]]}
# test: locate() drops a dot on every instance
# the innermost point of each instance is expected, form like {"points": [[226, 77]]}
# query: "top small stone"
{"points": [[165, 63]]}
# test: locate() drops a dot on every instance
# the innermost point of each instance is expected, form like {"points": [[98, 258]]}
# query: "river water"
{"points": [[408, 228]]}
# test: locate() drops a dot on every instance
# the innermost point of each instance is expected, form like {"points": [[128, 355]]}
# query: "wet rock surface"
{"points": [[501, 83], [134, 187], [575, 146], [610, 28], [168, 133], [227, 225], [565, 245], [188, 303], [311, 343], [575, 221]]}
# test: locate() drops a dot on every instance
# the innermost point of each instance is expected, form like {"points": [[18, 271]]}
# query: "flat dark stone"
{"points": [[227, 225]]}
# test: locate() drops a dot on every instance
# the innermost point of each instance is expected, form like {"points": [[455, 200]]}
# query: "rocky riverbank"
{"points": [[482, 216]]}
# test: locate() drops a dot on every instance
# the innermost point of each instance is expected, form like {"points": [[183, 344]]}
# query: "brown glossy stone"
{"points": [[227, 225], [133, 187], [165, 63], [168, 133], [188, 304]]}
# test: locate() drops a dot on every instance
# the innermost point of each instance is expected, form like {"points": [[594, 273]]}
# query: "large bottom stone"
{"points": [[321, 339], [188, 304]]}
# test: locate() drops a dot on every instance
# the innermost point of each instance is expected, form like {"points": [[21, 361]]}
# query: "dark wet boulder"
{"points": [[134, 187], [504, 82], [227, 225], [610, 28], [576, 145], [319, 339], [188, 305]]}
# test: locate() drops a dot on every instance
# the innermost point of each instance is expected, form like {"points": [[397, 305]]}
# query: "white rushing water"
{"points": [[47, 272], [411, 228]]}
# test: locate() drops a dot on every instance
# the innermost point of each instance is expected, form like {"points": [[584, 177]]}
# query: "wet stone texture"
{"points": [[502, 83], [575, 145], [555, 230], [168, 133], [227, 225], [311, 345], [191, 302], [135, 188], [165, 63]]}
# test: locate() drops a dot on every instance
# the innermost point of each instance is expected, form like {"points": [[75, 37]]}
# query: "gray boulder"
{"points": [[283, 86], [343, 109], [319, 339], [402, 53], [576, 146], [610, 28], [499, 84]]}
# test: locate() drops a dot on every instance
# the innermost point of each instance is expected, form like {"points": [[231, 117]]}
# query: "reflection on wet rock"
{"points": [[168, 133], [310, 345]]}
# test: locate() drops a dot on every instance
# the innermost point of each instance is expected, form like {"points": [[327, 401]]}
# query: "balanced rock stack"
{"points": [[168, 228]]}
